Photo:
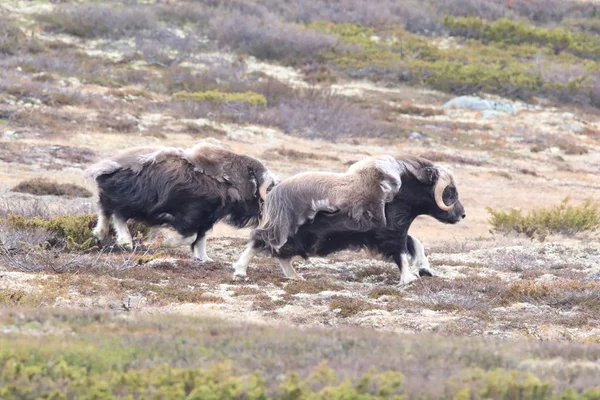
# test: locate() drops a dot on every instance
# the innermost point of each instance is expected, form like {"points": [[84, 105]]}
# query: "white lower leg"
{"points": [[177, 240], [123, 235], [419, 261], [200, 250], [102, 227], [288, 269], [241, 265], [406, 275]]}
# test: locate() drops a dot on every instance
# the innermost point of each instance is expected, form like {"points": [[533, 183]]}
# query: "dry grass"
{"points": [[267, 37], [387, 274], [277, 153], [408, 108], [568, 145], [312, 287], [450, 158], [380, 291], [560, 294], [91, 21], [246, 291], [349, 306], [42, 187], [47, 156]]}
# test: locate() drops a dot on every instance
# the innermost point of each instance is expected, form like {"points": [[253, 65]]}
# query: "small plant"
{"points": [[13, 40], [384, 291], [42, 187], [218, 97], [562, 219], [313, 287], [74, 230], [349, 306], [246, 291]]}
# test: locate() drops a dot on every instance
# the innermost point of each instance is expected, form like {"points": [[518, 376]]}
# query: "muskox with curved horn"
{"points": [[188, 189], [426, 189]]}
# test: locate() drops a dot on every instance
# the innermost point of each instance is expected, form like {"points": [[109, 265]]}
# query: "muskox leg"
{"points": [[406, 275], [102, 226], [288, 269], [123, 235], [418, 260], [178, 239], [199, 249], [241, 266]]}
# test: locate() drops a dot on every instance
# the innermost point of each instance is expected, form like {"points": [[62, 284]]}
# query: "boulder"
{"points": [[479, 104]]}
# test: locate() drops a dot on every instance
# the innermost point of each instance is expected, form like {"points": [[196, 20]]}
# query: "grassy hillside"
{"points": [[60, 354]]}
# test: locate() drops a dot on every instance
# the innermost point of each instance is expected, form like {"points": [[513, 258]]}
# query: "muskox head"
{"points": [[431, 190]]}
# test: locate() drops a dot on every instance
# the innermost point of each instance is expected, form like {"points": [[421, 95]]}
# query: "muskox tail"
{"points": [[278, 220]]}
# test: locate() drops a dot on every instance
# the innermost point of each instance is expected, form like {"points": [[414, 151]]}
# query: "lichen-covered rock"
{"points": [[479, 104]]}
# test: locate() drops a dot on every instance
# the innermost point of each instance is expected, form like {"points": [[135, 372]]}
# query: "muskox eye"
{"points": [[450, 194]]}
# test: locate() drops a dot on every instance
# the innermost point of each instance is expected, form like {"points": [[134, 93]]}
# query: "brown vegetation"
{"points": [[41, 187]]}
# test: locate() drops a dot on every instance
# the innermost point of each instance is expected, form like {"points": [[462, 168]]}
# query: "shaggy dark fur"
{"points": [[172, 192]]}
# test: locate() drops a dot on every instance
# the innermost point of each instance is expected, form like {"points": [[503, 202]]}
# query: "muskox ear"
{"points": [[427, 175]]}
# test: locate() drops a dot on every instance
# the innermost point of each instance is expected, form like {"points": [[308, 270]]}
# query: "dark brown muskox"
{"points": [[426, 189], [188, 189]]}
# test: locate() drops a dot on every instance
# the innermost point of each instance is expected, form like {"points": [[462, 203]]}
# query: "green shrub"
{"points": [[74, 230], [506, 58], [562, 219], [506, 31], [218, 97], [503, 384], [41, 187]]}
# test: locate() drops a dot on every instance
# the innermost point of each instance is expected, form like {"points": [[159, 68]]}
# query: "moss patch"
{"points": [[218, 97]]}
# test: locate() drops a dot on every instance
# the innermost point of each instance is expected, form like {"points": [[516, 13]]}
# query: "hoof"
{"points": [[296, 278], [240, 278], [204, 260], [425, 272], [405, 280], [126, 246]]}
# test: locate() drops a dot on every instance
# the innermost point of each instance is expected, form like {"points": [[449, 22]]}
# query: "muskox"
{"points": [[426, 189], [360, 193], [187, 189]]}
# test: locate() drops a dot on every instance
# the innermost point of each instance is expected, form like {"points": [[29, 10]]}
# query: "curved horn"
{"points": [[442, 183], [267, 180], [262, 191]]}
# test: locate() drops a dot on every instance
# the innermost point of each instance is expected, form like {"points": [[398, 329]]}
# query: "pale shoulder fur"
{"points": [[361, 192]]}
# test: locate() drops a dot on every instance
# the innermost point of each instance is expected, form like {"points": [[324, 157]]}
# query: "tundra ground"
{"points": [[68, 100]]}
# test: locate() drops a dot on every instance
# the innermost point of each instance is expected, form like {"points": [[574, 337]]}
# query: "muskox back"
{"points": [[172, 192]]}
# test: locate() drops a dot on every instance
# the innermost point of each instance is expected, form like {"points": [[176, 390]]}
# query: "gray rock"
{"points": [[477, 103], [572, 128], [416, 136], [489, 114]]}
